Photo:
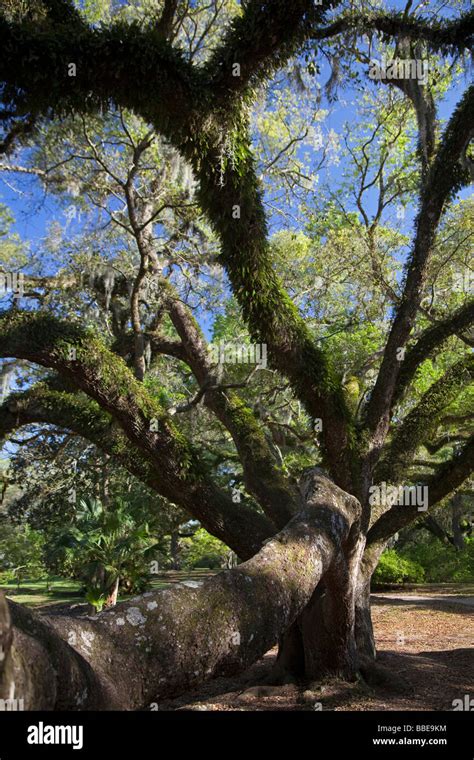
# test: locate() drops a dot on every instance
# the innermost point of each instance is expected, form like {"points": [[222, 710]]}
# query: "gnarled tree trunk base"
{"points": [[166, 642]]}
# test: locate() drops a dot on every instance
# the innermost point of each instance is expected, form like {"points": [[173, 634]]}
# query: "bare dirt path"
{"points": [[425, 641], [442, 599]]}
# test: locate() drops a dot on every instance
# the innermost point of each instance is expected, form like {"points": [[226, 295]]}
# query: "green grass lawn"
{"points": [[34, 593]]}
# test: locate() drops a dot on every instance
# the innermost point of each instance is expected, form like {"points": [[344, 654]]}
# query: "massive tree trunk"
{"points": [[174, 550], [164, 642], [364, 631], [334, 633], [457, 513]]}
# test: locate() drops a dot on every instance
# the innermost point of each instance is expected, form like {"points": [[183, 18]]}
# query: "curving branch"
{"points": [[433, 526], [259, 41], [420, 424], [448, 477], [263, 478], [448, 439], [170, 100], [104, 377], [430, 341], [233, 201], [445, 176], [164, 642], [454, 35], [47, 403], [453, 473]]}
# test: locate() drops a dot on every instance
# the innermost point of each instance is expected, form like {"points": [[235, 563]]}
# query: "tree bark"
{"points": [[456, 516], [323, 640], [112, 594], [334, 635], [165, 642], [174, 550], [364, 630]]}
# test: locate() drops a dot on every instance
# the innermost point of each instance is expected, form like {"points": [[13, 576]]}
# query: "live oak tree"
{"points": [[308, 552]]}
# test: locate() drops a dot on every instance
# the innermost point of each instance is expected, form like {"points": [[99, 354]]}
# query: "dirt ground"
{"points": [[425, 644], [428, 647]]}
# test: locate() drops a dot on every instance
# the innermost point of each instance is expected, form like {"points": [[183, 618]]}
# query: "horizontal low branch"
{"points": [[105, 378], [164, 642]]}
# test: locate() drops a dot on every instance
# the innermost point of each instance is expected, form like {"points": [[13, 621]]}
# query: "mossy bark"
{"points": [[321, 642], [364, 630], [168, 641], [326, 638]]}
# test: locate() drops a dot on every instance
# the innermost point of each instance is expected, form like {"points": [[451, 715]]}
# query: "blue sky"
{"points": [[34, 210]]}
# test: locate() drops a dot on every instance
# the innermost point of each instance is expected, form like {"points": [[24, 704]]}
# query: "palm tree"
{"points": [[103, 545]]}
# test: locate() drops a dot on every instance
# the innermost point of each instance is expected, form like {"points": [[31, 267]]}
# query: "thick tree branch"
{"points": [[164, 26], [428, 342], [444, 36], [422, 421], [452, 474], [261, 474], [445, 176], [259, 41], [231, 196], [46, 403], [448, 439], [448, 477], [104, 377], [165, 642], [437, 530], [109, 62]]}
